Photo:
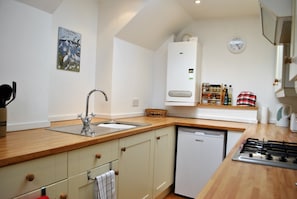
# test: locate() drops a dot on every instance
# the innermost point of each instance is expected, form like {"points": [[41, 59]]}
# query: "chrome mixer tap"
{"points": [[87, 119]]}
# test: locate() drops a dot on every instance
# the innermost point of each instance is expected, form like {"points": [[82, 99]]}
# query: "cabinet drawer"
{"points": [[90, 157], [31, 175], [54, 191]]}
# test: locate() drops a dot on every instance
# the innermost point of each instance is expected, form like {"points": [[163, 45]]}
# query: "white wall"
{"points": [[28, 53], [131, 79], [113, 15], [159, 75], [252, 70], [68, 90], [25, 40], [47, 94]]}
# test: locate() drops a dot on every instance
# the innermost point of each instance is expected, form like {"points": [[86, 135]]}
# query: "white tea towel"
{"points": [[105, 186]]}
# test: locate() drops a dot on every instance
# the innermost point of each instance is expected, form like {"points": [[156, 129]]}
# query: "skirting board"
{"points": [[248, 116], [27, 125]]}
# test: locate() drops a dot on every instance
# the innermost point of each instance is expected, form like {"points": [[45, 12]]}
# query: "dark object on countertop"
{"points": [[5, 94], [43, 194], [226, 97]]}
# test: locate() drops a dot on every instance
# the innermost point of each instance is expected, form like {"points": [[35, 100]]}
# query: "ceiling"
{"points": [[220, 8], [206, 9], [161, 18], [46, 5]]}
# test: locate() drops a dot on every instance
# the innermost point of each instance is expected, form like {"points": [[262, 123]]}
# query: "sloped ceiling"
{"points": [[161, 18], [46, 5], [155, 23]]}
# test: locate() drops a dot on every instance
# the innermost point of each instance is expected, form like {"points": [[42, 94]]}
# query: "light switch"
{"points": [[135, 102]]}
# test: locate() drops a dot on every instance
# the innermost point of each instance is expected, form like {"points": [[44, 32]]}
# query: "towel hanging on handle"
{"points": [[105, 186]]}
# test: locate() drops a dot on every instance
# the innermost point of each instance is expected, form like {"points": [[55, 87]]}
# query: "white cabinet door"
{"points": [[232, 139], [282, 86]]}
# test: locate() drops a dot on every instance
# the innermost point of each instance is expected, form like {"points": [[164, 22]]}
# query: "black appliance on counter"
{"points": [[5, 94], [271, 153]]}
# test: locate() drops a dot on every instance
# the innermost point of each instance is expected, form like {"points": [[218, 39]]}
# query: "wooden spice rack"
{"points": [[211, 94]]}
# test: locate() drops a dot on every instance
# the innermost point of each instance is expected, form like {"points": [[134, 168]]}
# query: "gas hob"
{"points": [[271, 153]]}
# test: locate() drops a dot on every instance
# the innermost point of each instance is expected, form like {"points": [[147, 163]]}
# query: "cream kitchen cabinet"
{"points": [[30, 176], [164, 159], [86, 163], [146, 163], [293, 65], [136, 166]]}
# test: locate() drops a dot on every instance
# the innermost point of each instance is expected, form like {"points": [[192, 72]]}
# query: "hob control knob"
{"points": [[269, 156], [283, 159]]}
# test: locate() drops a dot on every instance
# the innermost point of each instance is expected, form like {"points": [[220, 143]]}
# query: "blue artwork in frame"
{"points": [[69, 47]]}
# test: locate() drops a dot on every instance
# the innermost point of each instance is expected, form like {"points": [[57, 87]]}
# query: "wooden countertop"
{"points": [[235, 179], [232, 179], [25, 145]]}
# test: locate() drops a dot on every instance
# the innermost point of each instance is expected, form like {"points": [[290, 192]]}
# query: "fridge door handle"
{"points": [[208, 134], [199, 140]]}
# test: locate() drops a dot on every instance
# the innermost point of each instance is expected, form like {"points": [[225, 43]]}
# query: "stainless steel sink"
{"points": [[99, 128]]}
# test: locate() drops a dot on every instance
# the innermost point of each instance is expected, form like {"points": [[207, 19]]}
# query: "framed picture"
{"points": [[69, 47]]}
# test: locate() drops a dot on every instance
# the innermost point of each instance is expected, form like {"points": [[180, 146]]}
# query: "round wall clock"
{"points": [[236, 45]]}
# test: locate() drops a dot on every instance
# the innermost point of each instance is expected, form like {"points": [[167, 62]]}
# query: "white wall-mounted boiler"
{"points": [[183, 73]]}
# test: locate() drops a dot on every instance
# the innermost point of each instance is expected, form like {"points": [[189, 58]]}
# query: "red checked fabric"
{"points": [[246, 98]]}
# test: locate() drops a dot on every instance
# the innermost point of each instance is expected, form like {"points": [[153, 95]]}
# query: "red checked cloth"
{"points": [[246, 98]]}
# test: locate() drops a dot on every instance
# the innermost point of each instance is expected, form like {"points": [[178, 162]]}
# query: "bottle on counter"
{"points": [[226, 100], [223, 93], [230, 95]]}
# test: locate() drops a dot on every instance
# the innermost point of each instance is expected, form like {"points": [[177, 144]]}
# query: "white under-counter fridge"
{"points": [[199, 153]]}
